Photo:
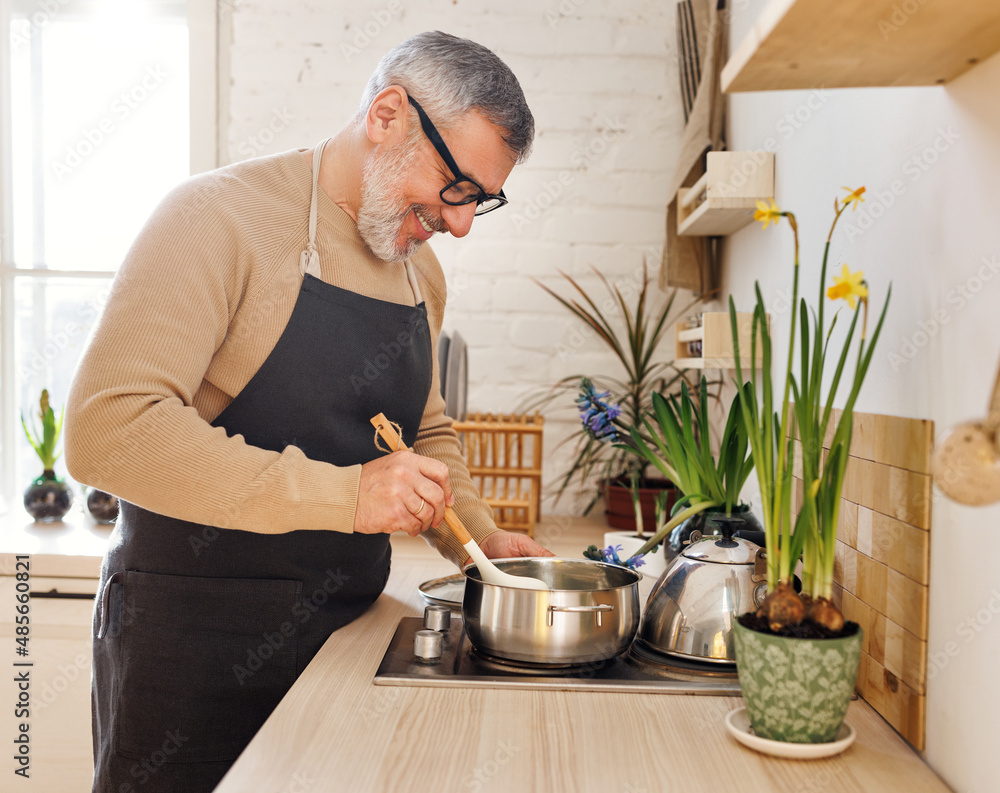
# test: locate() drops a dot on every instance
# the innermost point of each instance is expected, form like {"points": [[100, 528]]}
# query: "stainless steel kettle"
{"points": [[692, 608]]}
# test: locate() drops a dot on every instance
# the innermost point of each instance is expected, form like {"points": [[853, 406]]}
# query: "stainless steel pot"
{"points": [[693, 607], [590, 613]]}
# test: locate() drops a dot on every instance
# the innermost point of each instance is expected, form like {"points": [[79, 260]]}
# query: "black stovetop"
{"points": [[461, 666]]}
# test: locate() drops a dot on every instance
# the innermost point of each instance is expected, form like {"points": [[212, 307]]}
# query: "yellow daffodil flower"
{"points": [[849, 286], [766, 213], [854, 197]]}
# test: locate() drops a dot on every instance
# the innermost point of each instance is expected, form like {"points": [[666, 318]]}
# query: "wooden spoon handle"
{"points": [[453, 522], [388, 433]]}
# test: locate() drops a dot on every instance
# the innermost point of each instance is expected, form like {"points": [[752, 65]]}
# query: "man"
{"points": [[225, 397]]}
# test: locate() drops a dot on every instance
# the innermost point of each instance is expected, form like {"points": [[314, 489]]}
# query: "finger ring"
{"points": [[422, 503]]}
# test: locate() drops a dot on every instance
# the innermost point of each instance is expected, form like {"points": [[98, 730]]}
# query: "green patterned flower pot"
{"points": [[796, 690]]}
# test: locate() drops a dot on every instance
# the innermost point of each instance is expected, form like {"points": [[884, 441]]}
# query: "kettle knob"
{"points": [[725, 523]]}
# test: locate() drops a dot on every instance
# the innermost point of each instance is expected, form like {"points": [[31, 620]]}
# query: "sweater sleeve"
{"points": [[131, 428], [437, 439]]}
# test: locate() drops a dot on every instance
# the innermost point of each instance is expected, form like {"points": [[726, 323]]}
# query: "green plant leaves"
{"points": [[824, 455], [632, 330], [677, 447], [45, 444]]}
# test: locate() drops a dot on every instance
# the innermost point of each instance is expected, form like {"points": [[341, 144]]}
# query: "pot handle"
{"points": [[596, 610]]}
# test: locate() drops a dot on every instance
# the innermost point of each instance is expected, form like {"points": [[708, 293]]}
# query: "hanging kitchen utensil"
{"points": [[966, 462], [489, 571]]}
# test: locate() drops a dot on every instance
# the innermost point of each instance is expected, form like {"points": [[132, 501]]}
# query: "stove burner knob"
{"points": [[437, 618], [427, 645]]}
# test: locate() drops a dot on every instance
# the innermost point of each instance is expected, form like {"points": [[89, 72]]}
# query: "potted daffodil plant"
{"points": [[797, 658]]}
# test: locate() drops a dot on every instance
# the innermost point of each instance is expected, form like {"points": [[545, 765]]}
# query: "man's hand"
{"points": [[505, 544], [402, 491]]}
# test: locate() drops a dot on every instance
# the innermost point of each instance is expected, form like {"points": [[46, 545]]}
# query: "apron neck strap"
{"points": [[411, 276], [309, 258]]}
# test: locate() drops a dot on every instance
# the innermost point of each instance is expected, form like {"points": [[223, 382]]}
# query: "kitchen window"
{"points": [[105, 105]]}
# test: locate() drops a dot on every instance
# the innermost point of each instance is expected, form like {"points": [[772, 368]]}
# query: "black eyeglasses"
{"points": [[462, 190]]}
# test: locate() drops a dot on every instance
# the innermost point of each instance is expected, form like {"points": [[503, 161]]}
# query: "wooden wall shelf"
{"points": [[797, 44], [716, 337], [724, 199]]}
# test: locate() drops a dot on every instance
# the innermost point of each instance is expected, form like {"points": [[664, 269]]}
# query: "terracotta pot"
{"points": [[618, 510]]}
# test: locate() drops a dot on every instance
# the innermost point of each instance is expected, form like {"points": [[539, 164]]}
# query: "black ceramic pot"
{"points": [[744, 524], [103, 507], [48, 498]]}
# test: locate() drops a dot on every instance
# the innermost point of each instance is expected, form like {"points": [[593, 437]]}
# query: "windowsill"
{"points": [[72, 547]]}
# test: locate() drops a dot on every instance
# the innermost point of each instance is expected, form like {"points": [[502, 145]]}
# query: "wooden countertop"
{"points": [[336, 731]]}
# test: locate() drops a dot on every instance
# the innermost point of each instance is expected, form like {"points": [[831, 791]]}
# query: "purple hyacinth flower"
{"points": [[596, 413]]}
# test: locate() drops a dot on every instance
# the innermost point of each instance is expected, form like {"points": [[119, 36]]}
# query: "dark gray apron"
{"points": [[200, 631]]}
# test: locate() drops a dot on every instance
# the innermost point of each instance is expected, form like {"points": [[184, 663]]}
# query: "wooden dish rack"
{"points": [[504, 456]]}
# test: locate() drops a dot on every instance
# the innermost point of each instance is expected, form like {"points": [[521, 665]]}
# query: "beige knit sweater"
{"points": [[196, 308]]}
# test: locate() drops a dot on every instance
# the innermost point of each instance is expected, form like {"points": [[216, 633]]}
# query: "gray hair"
{"points": [[450, 76]]}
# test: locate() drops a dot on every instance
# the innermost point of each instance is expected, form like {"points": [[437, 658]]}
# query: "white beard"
{"points": [[380, 217]]}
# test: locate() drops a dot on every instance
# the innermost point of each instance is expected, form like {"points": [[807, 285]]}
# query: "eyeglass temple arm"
{"points": [[435, 137]]}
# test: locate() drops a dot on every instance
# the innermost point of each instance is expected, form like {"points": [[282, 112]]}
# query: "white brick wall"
{"points": [[601, 80]]}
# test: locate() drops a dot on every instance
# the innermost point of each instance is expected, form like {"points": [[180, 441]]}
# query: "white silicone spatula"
{"points": [[489, 571]]}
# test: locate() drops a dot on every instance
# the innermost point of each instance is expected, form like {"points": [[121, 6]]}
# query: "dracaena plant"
{"points": [[633, 332], [773, 414]]}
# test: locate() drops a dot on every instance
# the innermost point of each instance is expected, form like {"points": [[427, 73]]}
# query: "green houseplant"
{"points": [[48, 498], [632, 331], [709, 483], [797, 658], [674, 437]]}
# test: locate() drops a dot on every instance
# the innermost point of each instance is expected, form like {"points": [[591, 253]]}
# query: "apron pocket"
{"points": [[202, 663]]}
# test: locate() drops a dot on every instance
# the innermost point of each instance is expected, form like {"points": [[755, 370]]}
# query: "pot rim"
{"points": [[549, 560]]}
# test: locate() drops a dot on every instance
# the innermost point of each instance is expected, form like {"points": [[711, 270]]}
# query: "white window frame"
{"points": [[208, 24]]}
